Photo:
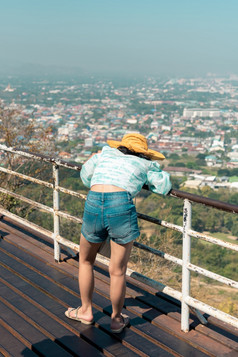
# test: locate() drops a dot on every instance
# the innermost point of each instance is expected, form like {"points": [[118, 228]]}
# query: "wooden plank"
{"points": [[220, 324], [49, 268], [156, 332], [168, 298], [170, 325], [97, 337], [50, 286], [71, 266], [137, 287], [145, 326], [11, 346], [34, 260], [16, 233], [132, 338], [47, 325], [26, 233], [162, 337], [105, 304], [102, 288], [163, 305], [33, 277], [29, 249], [158, 303], [3, 352], [55, 311], [20, 327], [131, 289], [219, 335], [193, 321], [105, 289], [49, 272]]}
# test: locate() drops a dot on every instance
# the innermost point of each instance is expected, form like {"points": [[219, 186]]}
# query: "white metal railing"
{"points": [[184, 296]]}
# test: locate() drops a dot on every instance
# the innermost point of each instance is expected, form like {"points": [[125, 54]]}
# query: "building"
{"points": [[181, 171], [201, 112], [88, 142], [212, 160]]}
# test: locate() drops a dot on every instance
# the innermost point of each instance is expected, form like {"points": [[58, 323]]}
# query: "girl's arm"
{"points": [[158, 180], [87, 169]]}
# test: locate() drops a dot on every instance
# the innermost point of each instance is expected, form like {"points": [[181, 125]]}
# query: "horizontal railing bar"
{"points": [[27, 223], [160, 222], [213, 240], [214, 276], [70, 192], [227, 207], [27, 200], [67, 243], [140, 215], [212, 311], [192, 267], [155, 284], [158, 252], [25, 177], [191, 232], [41, 206], [40, 157], [69, 217], [49, 234]]}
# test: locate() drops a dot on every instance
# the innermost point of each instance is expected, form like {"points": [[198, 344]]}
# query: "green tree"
{"points": [[234, 229], [179, 164], [174, 156], [223, 172], [234, 199], [192, 165]]}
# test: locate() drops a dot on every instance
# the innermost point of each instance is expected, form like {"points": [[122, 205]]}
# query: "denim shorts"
{"points": [[110, 215]]}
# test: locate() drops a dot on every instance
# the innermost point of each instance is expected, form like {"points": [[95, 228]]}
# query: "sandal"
{"points": [[117, 327], [67, 313]]}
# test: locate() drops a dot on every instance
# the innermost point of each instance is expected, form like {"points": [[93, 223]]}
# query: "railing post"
{"points": [[56, 209], [187, 216]]}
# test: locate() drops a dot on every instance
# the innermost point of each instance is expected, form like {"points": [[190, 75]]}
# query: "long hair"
{"points": [[127, 151]]}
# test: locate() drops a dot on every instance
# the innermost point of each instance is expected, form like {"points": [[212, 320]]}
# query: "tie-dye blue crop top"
{"points": [[128, 172]]}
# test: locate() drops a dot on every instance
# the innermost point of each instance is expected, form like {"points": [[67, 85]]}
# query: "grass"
{"points": [[233, 179], [224, 237]]}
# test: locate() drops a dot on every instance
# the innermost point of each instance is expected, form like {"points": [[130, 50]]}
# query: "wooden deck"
{"points": [[35, 291]]}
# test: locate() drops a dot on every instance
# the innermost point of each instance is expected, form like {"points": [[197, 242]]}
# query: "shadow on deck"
{"points": [[35, 291]]}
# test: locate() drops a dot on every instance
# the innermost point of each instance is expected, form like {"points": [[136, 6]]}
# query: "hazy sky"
{"points": [[172, 37]]}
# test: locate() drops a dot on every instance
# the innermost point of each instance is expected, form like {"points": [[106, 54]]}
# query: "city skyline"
{"points": [[124, 37]]}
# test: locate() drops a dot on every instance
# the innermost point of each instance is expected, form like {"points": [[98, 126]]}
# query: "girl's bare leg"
{"points": [[88, 252], [117, 268]]}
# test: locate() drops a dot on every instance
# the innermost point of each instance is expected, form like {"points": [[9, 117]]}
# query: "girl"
{"points": [[114, 176]]}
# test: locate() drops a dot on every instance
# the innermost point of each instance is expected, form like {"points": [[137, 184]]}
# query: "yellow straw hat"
{"points": [[137, 143]]}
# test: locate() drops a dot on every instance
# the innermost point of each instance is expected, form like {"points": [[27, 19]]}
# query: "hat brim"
{"points": [[152, 154], [114, 143]]}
